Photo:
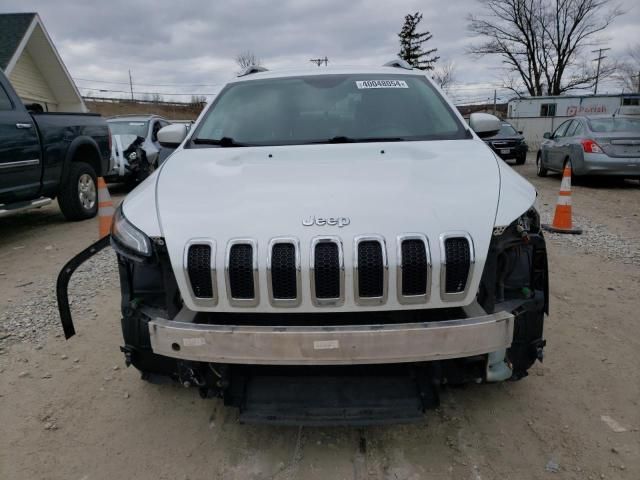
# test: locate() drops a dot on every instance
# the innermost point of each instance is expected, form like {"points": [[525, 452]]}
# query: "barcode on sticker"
{"points": [[326, 344], [360, 84], [193, 342]]}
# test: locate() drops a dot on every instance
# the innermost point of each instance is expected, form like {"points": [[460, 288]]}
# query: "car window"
{"points": [[617, 124], [507, 130], [315, 109], [129, 127], [571, 131], [5, 102], [155, 129], [561, 130], [579, 130]]}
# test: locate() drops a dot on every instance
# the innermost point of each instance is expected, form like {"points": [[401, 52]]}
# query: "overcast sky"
{"points": [[189, 46]]}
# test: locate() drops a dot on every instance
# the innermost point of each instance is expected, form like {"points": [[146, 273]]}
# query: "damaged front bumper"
{"points": [[64, 277], [337, 345]]}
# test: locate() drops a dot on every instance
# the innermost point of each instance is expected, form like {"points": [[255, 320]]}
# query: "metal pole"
{"points": [[599, 59], [494, 102], [131, 85]]}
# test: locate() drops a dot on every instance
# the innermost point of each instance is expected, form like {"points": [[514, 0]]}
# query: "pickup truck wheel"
{"points": [[521, 159], [78, 198], [540, 170]]}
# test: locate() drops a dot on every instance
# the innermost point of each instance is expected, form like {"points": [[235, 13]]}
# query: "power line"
{"points": [[103, 90], [150, 84]]}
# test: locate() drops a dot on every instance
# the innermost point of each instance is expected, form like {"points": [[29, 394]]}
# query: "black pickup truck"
{"points": [[50, 155]]}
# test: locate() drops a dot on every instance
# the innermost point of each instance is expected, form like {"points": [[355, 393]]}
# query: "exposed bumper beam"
{"points": [[340, 345]]}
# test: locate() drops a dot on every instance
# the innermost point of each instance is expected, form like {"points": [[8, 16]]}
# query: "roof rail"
{"points": [[398, 63], [252, 69]]}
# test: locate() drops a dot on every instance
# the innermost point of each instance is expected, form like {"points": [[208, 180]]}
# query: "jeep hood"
{"points": [[384, 189]]}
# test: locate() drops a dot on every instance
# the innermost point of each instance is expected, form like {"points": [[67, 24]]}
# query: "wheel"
{"points": [[540, 170], [78, 198], [521, 159]]}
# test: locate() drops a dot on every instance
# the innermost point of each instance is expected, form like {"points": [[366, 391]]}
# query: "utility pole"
{"points": [[131, 85], [599, 59], [494, 102], [320, 61]]}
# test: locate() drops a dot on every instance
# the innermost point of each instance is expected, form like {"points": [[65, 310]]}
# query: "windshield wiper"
{"points": [[222, 142], [344, 139]]}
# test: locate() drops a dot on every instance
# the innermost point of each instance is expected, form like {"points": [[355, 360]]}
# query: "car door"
{"points": [[555, 158], [20, 163]]}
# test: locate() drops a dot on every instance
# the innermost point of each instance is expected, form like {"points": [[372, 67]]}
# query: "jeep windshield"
{"points": [[334, 108]]}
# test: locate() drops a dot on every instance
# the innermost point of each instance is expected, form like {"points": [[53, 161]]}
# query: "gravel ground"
{"points": [[595, 238], [35, 316]]}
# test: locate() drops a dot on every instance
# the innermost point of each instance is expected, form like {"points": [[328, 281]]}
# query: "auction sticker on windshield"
{"points": [[360, 84]]}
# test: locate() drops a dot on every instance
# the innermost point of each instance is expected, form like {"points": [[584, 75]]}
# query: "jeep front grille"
{"points": [[326, 274]]}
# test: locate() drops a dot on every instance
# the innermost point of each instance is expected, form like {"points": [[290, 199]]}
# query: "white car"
{"points": [[329, 246]]}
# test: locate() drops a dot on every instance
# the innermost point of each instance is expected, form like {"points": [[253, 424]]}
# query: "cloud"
{"points": [[190, 46]]}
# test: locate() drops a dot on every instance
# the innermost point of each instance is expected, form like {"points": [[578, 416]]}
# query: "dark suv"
{"points": [[509, 144]]}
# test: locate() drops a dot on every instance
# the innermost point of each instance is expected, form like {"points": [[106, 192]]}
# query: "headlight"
{"points": [[528, 222], [128, 237]]}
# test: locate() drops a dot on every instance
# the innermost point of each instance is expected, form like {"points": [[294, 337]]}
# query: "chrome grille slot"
{"points": [[200, 271], [457, 265], [283, 272], [327, 271], [242, 272], [199, 268], [370, 270], [414, 269]]}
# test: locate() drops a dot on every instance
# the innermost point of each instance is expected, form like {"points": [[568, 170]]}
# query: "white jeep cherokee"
{"points": [[329, 246]]}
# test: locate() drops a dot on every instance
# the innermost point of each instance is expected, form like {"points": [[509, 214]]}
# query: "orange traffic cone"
{"points": [[562, 219], [105, 208]]}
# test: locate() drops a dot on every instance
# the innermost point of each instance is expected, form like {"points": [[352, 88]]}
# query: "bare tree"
{"points": [[542, 40], [247, 59], [445, 75], [627, 74], [198, 99]]}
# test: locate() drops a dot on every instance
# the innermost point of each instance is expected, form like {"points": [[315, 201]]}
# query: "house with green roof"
{"points": [[32, 64]]}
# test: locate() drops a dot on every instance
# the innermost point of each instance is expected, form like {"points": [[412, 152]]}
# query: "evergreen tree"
{"points": [[411, 44]]}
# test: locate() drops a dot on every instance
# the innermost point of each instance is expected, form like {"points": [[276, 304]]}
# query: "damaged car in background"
{"points": [[135, 150], [329, 248]]}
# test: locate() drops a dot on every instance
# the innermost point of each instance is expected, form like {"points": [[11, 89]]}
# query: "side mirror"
{"points": [[484, 124], [546, 135], [172, 135], [520, 132]]}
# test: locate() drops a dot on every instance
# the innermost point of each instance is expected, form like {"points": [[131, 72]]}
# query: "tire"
{"points": [[540, 170], [78, 197], [521, 159]]}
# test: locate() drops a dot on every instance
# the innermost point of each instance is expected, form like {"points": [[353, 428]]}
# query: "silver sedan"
{"points": [[593, 146]]}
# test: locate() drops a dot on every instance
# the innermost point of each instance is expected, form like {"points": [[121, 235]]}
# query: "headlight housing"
{"points": [[528, 222], [128, 239]]}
